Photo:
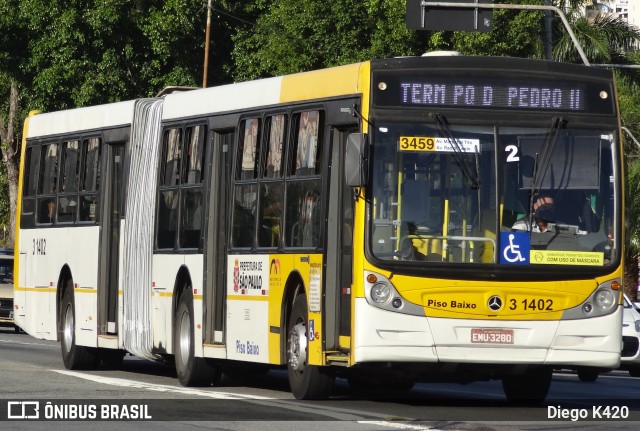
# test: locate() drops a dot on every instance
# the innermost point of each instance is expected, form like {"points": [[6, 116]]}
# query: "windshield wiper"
{"points": [[473, 178], [542, 161]]}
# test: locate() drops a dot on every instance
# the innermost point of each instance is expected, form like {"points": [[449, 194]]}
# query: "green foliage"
{"points": [[514, 33], [292, 36], [81, 52]]}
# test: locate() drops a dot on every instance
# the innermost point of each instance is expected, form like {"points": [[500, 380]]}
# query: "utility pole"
{"points": [[206, 46], [548, 47]]}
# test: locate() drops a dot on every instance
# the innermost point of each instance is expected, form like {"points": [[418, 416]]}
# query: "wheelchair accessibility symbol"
{"points": [[514, 248]]}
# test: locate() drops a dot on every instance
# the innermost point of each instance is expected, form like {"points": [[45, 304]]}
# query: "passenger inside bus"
{"points": [[47, 211], [543, 214]]}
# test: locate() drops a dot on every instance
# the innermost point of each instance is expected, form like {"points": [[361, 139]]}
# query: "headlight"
{"points": [[604, 299], [380, 293], [637, 325]]}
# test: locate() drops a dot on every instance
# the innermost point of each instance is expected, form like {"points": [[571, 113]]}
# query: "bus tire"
{"points": [[634, 371], [588, 375], [191, 371], [308, 382], [531, 387], [74, 357]]}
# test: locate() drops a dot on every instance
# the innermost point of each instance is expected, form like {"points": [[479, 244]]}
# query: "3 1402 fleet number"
{"points": [[531, 304]]}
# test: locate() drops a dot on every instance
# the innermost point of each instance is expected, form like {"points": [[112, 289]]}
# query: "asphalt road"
{"points": [[34, 382]]}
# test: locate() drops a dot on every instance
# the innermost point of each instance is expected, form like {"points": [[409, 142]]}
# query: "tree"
{"points": [[605, 38], [57, 54], [9, 147], [292, 36]]}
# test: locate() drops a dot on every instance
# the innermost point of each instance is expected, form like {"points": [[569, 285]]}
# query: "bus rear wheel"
{"points": [[191, 371], [307, 382], [74, 357], [531, 387]]}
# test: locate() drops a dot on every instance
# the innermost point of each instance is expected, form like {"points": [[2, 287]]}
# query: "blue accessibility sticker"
{"points": [[312, 330], [515, 248]]}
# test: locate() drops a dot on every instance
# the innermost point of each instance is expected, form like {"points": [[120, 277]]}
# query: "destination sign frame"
{"points": [[435, 90]]}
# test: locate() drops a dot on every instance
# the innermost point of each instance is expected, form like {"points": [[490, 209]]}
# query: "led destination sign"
{"points": [[395, 90], [492, 96]]}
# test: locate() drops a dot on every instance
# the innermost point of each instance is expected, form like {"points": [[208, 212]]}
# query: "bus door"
{"points": [[215, 247], [339, 249], [110, 218]]}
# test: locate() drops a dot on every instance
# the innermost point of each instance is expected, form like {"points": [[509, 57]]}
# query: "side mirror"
{"points": [[356, 161]]}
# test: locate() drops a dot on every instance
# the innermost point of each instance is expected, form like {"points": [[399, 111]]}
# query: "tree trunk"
{"points": [[10, 147]]}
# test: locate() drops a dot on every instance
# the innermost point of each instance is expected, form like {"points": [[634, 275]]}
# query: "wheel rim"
{"points": [[298, 347], [68, 328], [185, 337]]}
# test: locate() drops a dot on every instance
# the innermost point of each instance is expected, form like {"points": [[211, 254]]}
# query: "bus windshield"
{"points": [[452, 193]]}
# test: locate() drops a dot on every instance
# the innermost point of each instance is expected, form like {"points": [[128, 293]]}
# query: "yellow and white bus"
{"points": [[354, 222]]}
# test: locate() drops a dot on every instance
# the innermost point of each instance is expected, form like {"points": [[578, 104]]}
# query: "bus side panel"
{"points": [[82, 259], [280, 267], [47, 250], [247, 315], [165, 272]]}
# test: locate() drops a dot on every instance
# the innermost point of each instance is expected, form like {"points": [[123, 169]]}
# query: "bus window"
{"points": [[191, 196], [172, 149], [30, 187], [307, 159], [48, 169], [191, 223], [271, 198], [303, 214], [47, 183], [244, 210], [194, 159], [273, 159], [67, 198], [247, 153], [89, 180]]}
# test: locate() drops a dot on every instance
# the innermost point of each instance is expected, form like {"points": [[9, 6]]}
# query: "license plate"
{"points": [[492, 336]]}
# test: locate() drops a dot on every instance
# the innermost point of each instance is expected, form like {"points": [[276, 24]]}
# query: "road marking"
{"points": [[114, 381], [332, 412], [399, 425], [55, 346]]}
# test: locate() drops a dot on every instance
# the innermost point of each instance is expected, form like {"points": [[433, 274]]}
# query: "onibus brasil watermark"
{"points": [[35, 410]]}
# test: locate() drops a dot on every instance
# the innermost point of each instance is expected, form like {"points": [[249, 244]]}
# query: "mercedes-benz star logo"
{"points": [[495, 303]]}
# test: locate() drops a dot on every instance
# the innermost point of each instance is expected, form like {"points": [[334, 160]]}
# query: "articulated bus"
{"points": [[375, 222]]}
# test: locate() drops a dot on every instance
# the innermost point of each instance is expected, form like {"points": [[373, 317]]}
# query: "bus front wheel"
{"points": [[531, 387], [74, 357], [307, 382], [191, 371]]}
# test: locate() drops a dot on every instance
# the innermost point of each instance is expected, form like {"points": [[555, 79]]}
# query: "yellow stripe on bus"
{"points": [[247, 298], [318, 84], [46, 289]]}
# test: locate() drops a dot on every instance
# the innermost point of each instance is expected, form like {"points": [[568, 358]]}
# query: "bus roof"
{"points": [[316, 84], [92, 118]]}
